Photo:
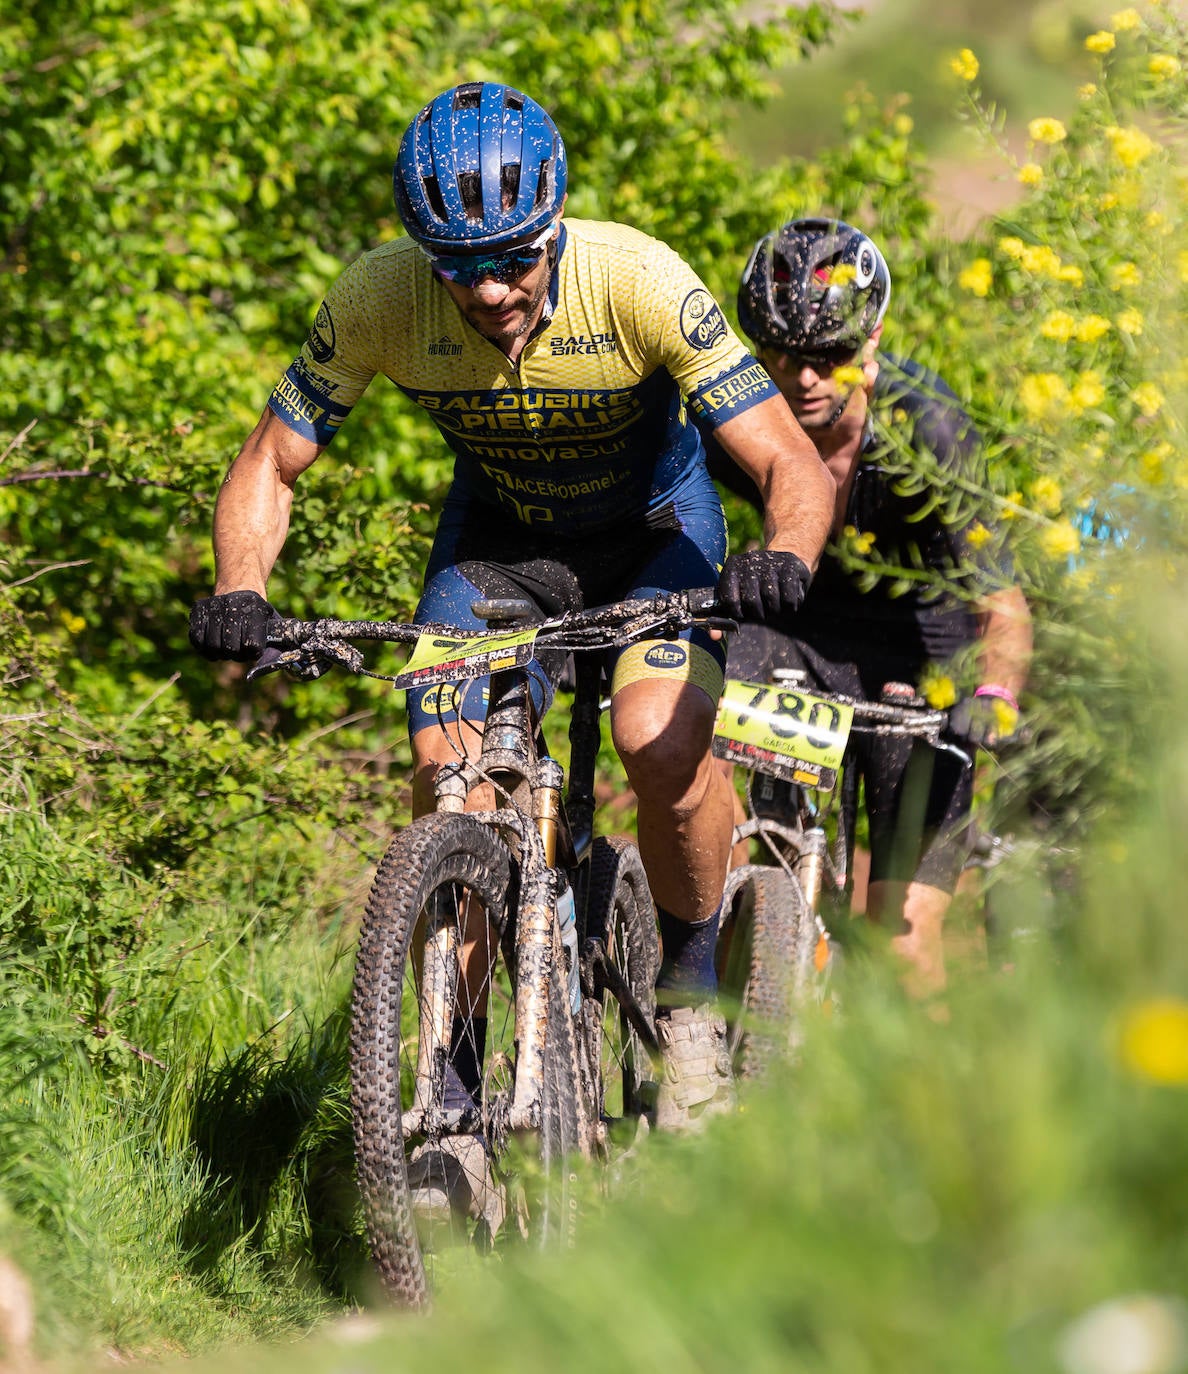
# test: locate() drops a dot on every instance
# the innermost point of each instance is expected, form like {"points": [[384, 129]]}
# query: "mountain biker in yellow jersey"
{"points": [[812, 299], [563, 362]]}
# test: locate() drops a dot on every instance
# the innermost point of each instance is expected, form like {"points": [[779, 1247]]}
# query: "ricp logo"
{"points": [[666, 656]]}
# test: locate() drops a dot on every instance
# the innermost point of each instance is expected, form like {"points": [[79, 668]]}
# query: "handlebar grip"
{"points": [[703, 600]]}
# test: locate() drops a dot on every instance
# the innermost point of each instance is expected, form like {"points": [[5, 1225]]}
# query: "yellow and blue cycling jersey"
{"points": [[592, 427]]}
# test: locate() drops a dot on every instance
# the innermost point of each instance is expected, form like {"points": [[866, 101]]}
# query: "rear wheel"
{"points": [[620, 955]]}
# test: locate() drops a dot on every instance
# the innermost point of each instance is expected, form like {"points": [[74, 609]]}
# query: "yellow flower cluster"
{"points": [[1129, 322], [1089, 391], [1100, 42], [1058, 326], [1040, 260], [1046, 131], [977, 536], [1163, 66], [1091, 328], [1031, 174], [939, 692], [1125, 20], [1046, 495], [1148, 398], [858, 543], [1123, 275], [1130, 146], [1153, 1041], [964, 65], [1042, 393], [978, 277], [1153, 463], [848, 375], [1060, 539]]}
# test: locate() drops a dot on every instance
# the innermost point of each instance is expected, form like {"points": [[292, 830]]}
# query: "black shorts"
{"points": [[917, 798]]}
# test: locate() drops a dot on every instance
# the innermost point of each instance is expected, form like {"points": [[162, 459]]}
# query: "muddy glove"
{"points": [[234, 625], [987, 720], [765, 585]]}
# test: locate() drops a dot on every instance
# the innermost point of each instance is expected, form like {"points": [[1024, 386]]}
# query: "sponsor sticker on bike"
{"points": [[437, 658], [790, 734]]}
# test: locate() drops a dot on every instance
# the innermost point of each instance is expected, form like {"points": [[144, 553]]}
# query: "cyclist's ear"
{"points": [[870, 366]]}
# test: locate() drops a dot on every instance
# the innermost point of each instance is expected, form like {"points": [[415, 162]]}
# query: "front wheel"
{"points": [[772, 958]]}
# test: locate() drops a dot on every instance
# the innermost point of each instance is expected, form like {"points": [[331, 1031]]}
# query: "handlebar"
{"points": [[308, 648]]}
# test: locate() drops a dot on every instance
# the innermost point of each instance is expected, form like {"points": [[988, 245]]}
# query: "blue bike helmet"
{"points": [[482, 166], [814, 285]]}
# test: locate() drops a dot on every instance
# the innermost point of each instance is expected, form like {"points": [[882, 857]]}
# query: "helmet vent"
{"points": [[542, 181], [509, 184], [470, 190], [433, 196], [467, 97]]}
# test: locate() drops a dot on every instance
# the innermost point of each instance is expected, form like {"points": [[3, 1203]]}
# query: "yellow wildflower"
{"points": [[1058, 326], [1041, 392], [1060, 539], [1030, 174], [940, 692], [1130, 145], [1040, 260], [1088, 90], [1088, 392], [1153, 1040], [1108, 200], [903, 124], [858, 543], [1124, 21], [1102, 41], [977, 536], [1163, 66], [1071, 273], [841, 274], [1153, 463], [1046, 130], [1124, 274], [1046, 494], [1011, 506], [848, 375], [1091, 328], [978, 277], [75, 624], [1129, 321], [964, 65], [1148, 398], [1011, 247]]}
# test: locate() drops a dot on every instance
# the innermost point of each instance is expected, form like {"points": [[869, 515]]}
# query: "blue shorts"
{"points": [[479, 554]]}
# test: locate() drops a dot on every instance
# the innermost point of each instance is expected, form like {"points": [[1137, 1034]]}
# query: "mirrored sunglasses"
{"points": [[468, 269], [826, 361]]}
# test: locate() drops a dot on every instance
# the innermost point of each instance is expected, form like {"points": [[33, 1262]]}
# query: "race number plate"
{"points": [[789, 734], [438, 659]]}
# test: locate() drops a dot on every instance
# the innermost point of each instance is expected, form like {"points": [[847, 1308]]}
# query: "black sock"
{"points": [[687, 973], [468, 1044]]}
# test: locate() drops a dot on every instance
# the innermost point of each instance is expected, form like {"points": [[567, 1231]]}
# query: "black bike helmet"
{"points": [[481, 167], [812, 286]]}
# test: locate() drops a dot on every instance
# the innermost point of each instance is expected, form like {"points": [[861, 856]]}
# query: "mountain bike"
{"points": [[512, 935], [777, 950]]}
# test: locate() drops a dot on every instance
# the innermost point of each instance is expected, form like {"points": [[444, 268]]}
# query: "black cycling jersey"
{"points": [[911, 408]]}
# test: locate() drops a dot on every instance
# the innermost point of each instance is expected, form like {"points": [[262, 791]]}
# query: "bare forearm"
{"points": [[252, 512], [1006, 643], [769, 445]]}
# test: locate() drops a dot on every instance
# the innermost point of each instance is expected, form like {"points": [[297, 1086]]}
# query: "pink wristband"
{"points": [[991, 689]]}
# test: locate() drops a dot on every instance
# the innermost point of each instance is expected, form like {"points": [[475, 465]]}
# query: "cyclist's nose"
{"points": [[491, 292]]}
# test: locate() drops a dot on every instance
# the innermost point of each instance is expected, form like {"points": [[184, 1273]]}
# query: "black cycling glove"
{"points": [[987, 720], [233, 625], [765, 585]]}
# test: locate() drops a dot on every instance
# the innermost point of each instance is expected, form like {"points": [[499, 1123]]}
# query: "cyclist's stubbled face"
{"points": [[817, 399], [505, 312]]}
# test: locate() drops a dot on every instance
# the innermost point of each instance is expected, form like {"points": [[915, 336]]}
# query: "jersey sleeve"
{"points": [[682, 328], [335, 365]]}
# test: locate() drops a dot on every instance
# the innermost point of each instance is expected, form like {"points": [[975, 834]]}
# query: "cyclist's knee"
{"points": [[666, 756]]}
